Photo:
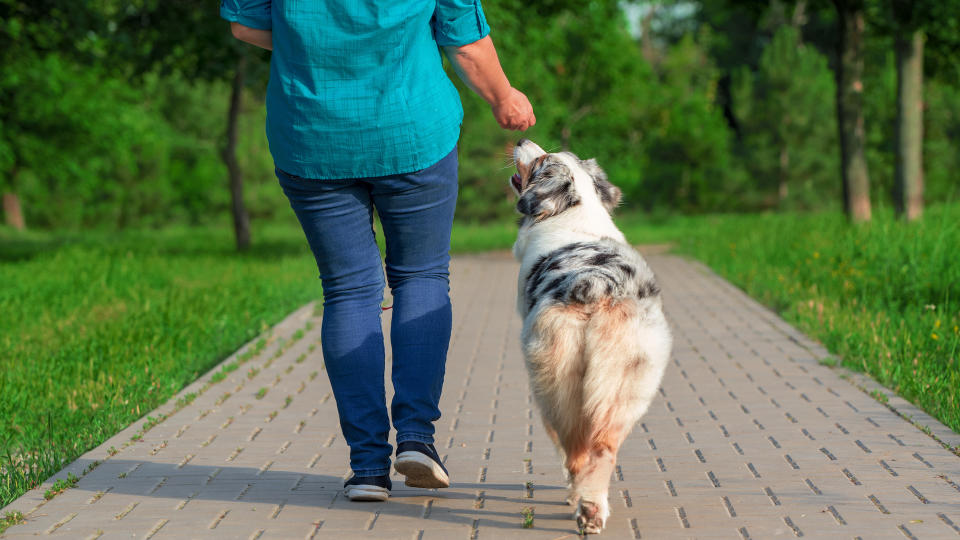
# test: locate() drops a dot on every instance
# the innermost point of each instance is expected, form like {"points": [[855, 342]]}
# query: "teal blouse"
{"points": [[357, 88]]}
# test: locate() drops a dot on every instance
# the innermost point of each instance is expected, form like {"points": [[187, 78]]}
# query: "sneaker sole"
{"points": [[366, 492], [421, 471]]}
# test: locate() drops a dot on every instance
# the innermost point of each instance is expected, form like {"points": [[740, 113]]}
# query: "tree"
{"points": [[786, 116], [850, 123], [925, 35], [26, 29], [908, 175], [184, 37]]}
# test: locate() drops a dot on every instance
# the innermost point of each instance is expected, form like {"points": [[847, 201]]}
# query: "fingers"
{"points": [[518, 123], [516, 113]]}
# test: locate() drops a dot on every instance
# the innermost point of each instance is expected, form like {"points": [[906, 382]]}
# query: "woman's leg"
{"points": [[337, 217], [416, 211]]}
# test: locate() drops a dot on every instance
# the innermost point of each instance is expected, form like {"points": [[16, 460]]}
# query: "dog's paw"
{"points": [[572, 499], [589, 517]]}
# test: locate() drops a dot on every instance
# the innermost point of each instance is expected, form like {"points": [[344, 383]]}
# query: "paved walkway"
{"points": [[751, 438]]}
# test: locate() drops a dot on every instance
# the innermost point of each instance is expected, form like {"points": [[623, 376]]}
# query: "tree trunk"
{"points": [[647, 48], [12, 212], [799, 17], [856, 182], [241, 220], [908, 176]]}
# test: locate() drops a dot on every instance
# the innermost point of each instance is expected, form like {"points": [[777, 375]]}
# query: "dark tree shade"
{"points": [[908, 174], [853, 143]]}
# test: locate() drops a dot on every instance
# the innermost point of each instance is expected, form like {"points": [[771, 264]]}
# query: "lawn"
{"points": [[883, 296], [98, 329]]}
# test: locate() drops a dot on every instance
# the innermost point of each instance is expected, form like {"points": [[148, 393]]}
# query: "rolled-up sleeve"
{"points": [[459, 22], [251, 13]]}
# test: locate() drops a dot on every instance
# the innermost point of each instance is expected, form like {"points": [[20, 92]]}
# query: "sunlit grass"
{"points": [[98, 330], [884, 296]]}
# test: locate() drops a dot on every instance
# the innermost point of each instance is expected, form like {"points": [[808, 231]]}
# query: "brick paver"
{"points": [[750, 438]]}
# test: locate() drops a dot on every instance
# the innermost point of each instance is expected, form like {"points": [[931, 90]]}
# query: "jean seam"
{"points": [[372, 472], [418, 437]]}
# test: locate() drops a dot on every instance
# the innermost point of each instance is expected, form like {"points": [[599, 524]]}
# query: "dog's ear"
{"points": [[550, 192], [609, 194]]}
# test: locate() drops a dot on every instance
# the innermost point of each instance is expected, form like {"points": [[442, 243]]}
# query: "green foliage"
{"points": [[106, 119], [10, 519], [61, 485], [656, 129], [688, 143], [787, 115], [132, 156], [941, 132], [527, 515]]}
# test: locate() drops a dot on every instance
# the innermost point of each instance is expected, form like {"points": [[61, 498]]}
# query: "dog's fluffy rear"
{"points": [[594, 370], [594, 338]]}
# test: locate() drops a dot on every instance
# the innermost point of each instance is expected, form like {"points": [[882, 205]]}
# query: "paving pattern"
{"points": [[750, 438]]}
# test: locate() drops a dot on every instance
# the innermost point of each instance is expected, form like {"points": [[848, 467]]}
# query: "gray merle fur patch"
{"points": [[587, 272], [551, 191], [609, 193]]}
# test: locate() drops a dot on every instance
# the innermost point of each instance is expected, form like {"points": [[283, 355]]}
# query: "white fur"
{"points": [[594, 368]]}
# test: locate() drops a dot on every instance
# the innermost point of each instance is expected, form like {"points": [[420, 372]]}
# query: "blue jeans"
{"points": [[416, 212]]}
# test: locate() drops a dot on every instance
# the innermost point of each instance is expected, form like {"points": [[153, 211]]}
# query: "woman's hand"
{"points": [[477, 65], [514, 111]]}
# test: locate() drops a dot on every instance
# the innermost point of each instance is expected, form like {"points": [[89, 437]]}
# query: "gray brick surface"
{"points": [[750, 438]]}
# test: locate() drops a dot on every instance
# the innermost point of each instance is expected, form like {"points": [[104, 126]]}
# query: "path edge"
{"points": [[910, 413], [33, 499]]}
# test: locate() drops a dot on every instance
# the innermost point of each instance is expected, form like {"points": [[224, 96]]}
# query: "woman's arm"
{"points": [[253, 36], [478, 66]]}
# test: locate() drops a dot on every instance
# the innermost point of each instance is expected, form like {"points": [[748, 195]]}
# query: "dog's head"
{"points": [[549, 184]]}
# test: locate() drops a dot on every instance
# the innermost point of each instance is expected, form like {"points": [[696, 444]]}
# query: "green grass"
{"points": [[526, 516], [883, 296], [10, 519], [60, 486], [98, 330]]}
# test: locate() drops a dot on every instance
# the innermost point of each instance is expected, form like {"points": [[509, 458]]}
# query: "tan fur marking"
{"points": [[525, 170]]}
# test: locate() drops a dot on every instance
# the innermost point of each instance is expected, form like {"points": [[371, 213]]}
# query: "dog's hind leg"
{"points": [[553, 349], [625, 355], [591, 483]]}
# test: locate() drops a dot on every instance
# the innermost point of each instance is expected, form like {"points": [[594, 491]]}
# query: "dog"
{"points": [[595, 340]]}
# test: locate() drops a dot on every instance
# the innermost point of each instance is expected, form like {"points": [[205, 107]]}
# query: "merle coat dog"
{"points": [[595, 340]]}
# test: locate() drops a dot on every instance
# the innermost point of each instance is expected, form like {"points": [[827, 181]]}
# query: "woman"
{"points": [[360, 115]]}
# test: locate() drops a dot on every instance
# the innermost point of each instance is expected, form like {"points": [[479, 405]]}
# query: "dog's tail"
{"points": [[625, 352]]}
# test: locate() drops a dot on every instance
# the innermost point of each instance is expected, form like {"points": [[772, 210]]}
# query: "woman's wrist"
{"points": [[500, 94]]}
